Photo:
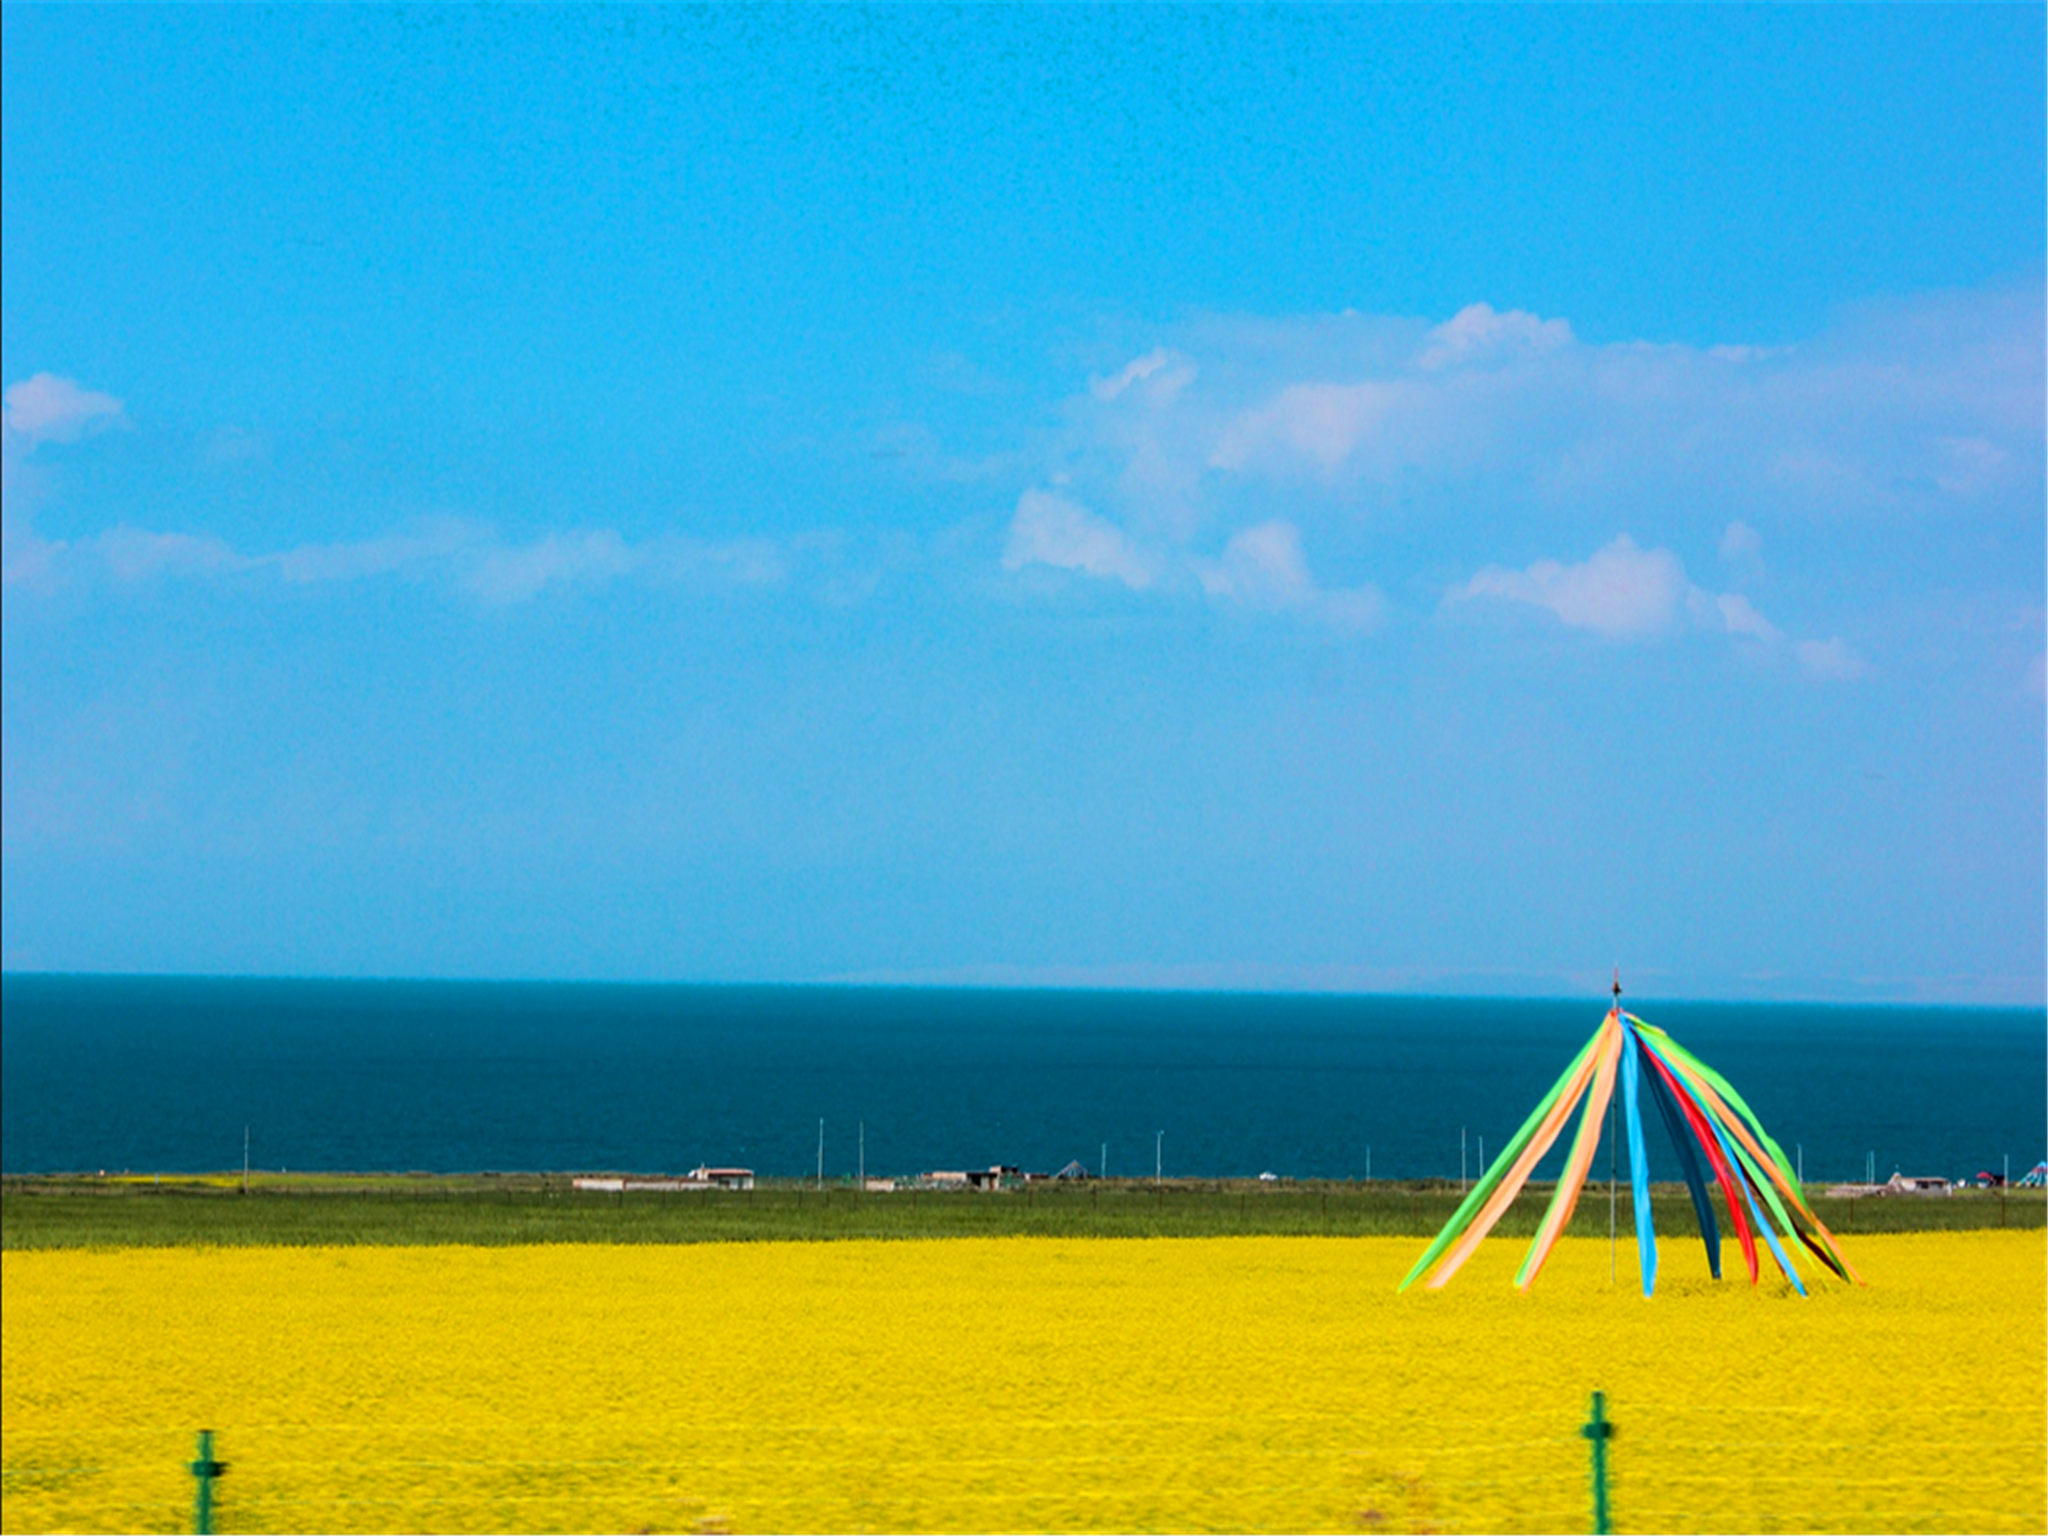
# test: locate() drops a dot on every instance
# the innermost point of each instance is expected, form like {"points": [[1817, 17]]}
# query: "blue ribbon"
{"points": [[1689, 1165], [1638, 1161]]}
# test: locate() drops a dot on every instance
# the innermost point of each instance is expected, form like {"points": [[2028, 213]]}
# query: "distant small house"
{"points": [[970, 1178], [1897, 1184], [1901, 1184], [725, 1178], [1073, 1170]]}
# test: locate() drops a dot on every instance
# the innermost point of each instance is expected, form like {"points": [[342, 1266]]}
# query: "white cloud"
{"points": [[1260, 568], [40, 409], [1970, 466], [354, 560], [1321, 422], [135, 555], [1479, 333], [47, 409], [1741, 544], [26, 559], [1163, 372], [1499, 427], [1263, 568], [511, 574], [1049, 529], [1740, 352], [468, 557], [231, 446], [1624, 592], [1830, 660], [501, 573], [1621, 592], [1229, 421], [1739, 617]]}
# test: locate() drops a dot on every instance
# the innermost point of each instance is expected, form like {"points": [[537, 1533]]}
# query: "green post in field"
{"points": [[205, 1469], [1599, 1431]]}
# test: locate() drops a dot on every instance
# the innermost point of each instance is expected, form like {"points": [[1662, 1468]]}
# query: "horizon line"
{"points": [[1309, 982]]}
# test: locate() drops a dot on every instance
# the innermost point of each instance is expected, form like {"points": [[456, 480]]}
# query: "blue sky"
{"points": [[1409, 499]]}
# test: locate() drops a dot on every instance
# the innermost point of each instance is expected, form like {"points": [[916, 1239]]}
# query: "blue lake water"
{"points": [[162, 1074]]}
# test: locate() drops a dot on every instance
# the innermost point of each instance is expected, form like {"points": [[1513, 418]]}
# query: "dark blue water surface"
{"points": [[161, 1074]]}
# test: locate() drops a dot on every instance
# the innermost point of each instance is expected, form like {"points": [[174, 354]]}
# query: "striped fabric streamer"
{"points": [[1769, 1153], [1547, 1132], [1566, 1090], [1712, 1130], [1764, 1169], [1573, 1179], [1689, 1167], [1710, 1145]]}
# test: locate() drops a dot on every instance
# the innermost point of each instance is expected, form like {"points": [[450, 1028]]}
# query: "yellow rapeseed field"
{"points": [[1002, 1384]]}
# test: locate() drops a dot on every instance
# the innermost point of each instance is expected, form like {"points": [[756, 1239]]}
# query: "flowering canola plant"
{"points": [[1245, 1383]]}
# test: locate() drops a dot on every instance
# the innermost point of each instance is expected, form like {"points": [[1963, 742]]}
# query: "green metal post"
{"points": [[1599, 1431], [205, 1469]]}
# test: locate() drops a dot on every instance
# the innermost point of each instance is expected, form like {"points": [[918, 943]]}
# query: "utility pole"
{"points": [[1461, 1159], [245, 1159], [1159, 1158], [821, 1153], [1613, 1167], [1102, 1170], [863, 1154]]}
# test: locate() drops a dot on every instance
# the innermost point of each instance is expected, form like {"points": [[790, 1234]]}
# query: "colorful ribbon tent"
{"points": [[1713, 1132]]}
